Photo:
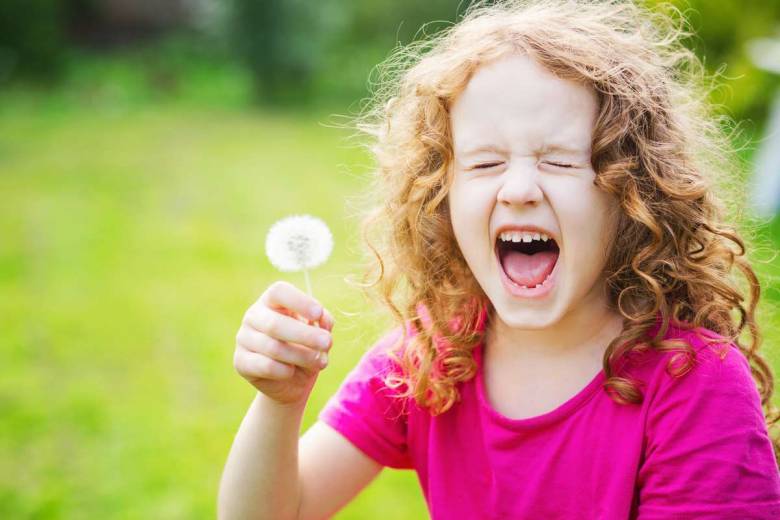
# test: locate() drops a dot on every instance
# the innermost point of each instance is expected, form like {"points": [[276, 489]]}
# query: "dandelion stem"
{"points": [[308, 282]]}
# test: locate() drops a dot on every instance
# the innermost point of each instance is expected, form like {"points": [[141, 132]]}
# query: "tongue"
{"points": [[529, 270]]}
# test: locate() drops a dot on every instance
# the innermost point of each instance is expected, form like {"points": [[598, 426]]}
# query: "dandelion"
{"points": [[299, 243]]}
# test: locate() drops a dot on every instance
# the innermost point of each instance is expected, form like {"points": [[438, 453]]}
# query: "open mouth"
{"points": [[526, 260]]}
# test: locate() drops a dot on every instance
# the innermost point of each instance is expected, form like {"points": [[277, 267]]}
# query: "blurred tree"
{"points": [[282, 43], [31, 39], [298, 51], [108, 23], [37, 35], [722, 28], [295, 49], [368, 32]]}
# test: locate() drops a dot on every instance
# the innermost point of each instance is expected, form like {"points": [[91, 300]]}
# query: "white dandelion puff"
{"points": [[299, 243]]}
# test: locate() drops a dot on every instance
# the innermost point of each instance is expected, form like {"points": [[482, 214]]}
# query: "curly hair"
{"points": [[659, 146]]}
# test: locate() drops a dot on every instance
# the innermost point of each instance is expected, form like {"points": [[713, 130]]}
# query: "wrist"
{"points": [[277, 407]]}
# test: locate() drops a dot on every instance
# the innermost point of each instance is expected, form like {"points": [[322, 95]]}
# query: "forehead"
{"points": [[514, 100]]}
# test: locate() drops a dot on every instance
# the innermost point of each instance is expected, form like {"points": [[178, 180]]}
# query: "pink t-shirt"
{"points": [[696, 448]]}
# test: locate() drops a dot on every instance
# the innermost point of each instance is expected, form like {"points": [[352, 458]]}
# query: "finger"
{"points": [[326, 321], [251, 365], [285, 295], [282, 351], [288, 329]]}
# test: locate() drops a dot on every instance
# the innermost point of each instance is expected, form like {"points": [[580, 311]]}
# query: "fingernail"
{"points": [[315, 312], [324, 341], [324, 359]]}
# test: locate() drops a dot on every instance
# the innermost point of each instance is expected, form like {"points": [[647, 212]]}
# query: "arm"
{"points": [[261, 465], [333, 471], [260, 479], [263, 477], [279, 348]]}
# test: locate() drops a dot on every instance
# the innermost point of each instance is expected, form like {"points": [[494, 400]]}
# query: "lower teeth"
{"points": [[537, 286]]}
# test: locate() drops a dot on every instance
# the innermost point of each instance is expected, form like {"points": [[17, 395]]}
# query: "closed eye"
{"points": [[560, 165], [486, 165]]}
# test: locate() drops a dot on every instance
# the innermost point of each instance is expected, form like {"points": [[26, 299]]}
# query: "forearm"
{"points": [[261, 479]]}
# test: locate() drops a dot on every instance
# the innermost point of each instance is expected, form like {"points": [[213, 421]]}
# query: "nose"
{"points": [[520, 184]]}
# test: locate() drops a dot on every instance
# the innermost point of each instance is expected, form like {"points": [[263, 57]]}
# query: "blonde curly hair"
{"points": [[658, 146]]}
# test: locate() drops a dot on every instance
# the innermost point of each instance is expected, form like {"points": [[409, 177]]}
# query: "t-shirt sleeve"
{"points": [[708, 454], [364, 411]]}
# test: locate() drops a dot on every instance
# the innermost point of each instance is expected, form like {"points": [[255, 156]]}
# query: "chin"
{"points": [[515, 316]]}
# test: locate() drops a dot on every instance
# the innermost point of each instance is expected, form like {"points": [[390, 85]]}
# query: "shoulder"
{"points": [[381, 356], [366, 410], [379, 371], [713, 396], [373, 379], [706, 421], [715, 362], [712, 388], [703, 357]]}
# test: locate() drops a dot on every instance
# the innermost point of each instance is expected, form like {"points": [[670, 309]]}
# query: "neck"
{"points": [[584, 332]]}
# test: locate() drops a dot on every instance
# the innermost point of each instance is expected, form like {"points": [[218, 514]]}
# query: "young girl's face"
{"points": [[521, 139]]}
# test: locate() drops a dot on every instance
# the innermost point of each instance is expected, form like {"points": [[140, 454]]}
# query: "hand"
{"points": [[278, 349]]}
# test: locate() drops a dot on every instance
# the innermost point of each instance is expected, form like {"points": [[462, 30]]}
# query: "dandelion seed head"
{"points": [[298, 242]]}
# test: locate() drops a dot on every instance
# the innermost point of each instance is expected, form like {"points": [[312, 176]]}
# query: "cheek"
{"points": [[591, 222], [584, 210], [456, 213], [469, 210], [469, 206], [607, 214]]}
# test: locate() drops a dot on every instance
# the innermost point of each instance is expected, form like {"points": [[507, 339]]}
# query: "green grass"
{"points": [[132, 245]]}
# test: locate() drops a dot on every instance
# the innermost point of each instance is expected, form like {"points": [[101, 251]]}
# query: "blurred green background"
{"points": [[145, 149]]}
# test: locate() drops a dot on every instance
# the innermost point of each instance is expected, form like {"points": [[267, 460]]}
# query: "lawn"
{"points": [[132, 245]]}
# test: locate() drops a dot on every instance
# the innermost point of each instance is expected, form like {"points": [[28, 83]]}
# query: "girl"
{"points": [[556, 256]]}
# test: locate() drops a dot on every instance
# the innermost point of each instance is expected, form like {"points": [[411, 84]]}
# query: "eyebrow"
{"points": [[544, 149], [560, 148], [485, 148]]}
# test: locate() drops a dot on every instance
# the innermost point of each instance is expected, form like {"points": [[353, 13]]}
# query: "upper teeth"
{"points": [[522, 236]]}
